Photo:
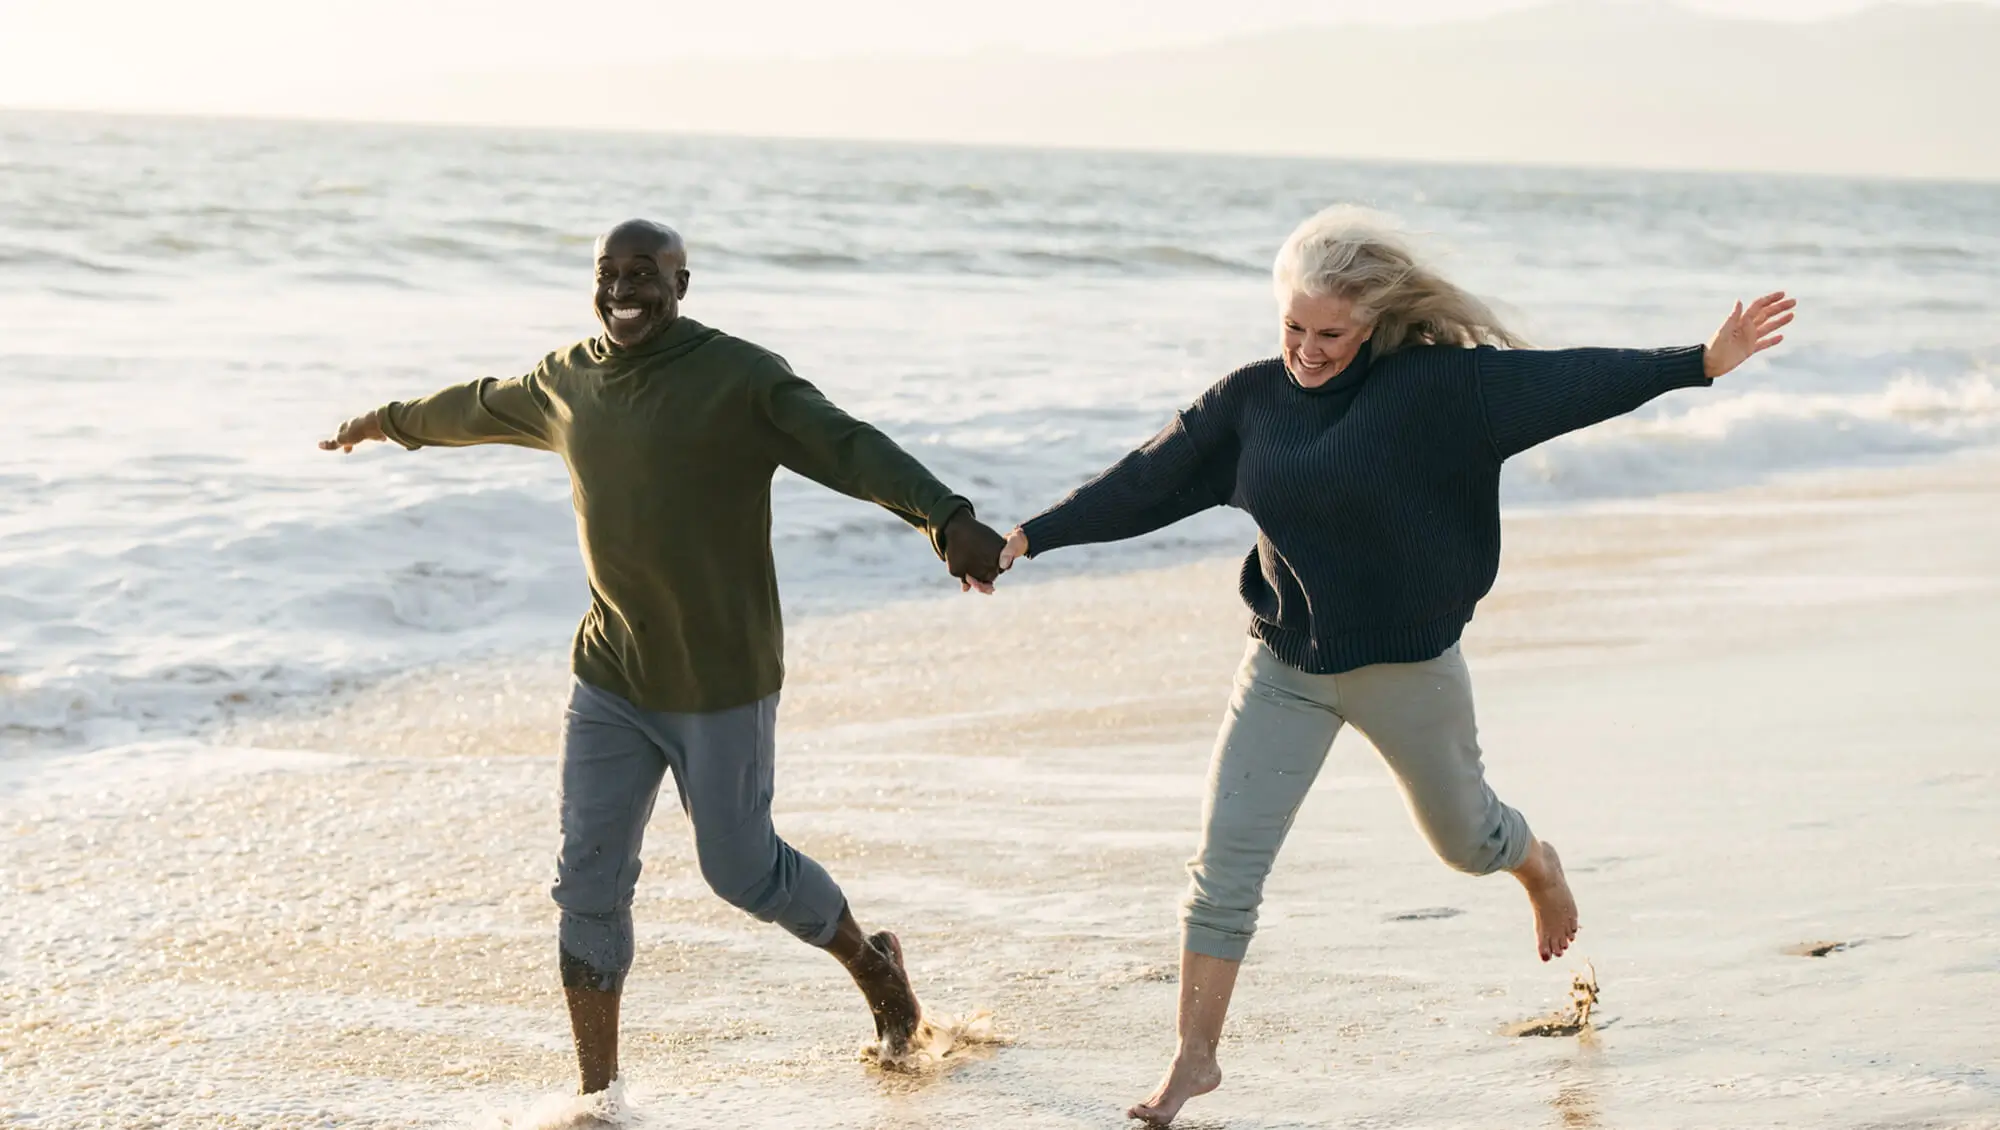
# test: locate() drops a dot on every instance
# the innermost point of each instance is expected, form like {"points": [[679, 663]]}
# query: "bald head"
{"points": [[646, 237], [642, 276]]}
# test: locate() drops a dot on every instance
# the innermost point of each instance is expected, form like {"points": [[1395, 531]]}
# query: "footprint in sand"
{"points": [[1427, 914], [1140, 975], [1817, 949]]}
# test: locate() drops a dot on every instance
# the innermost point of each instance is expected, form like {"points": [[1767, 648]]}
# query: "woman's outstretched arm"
{"points": [[1534, 396], [1188, 467]]}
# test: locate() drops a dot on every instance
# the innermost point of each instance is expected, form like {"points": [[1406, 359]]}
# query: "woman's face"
{"points": [[1321, 335]]}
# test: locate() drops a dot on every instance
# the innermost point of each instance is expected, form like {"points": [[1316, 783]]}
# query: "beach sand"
{"points": [[1752, 721]]}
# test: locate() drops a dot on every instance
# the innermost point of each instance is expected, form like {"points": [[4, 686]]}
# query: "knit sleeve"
{"points": [[1188, 467], [1533, 396], [489, 410], [806, 433]]}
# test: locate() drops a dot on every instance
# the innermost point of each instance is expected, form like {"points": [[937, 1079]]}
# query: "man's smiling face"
{"points": [[642, 276]]}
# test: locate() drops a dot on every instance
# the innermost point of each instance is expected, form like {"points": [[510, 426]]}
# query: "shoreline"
{"points": [[1639, 556]]}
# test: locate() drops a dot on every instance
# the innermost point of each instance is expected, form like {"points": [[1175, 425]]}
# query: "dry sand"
{"points": [[1754, 721]]}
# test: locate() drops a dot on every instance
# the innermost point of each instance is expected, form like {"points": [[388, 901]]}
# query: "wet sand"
{"points": [[1757, 723]]}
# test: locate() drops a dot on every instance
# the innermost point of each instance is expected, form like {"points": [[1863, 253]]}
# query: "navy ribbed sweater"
{"points": [[1376, 495]]}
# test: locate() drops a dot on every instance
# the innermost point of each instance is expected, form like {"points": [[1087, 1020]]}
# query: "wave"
{"points": [[139, 634], [1853, 250], [376, 279], [320, 189], [1145, 259], [17, 256], [1745, 438], [811, 260], [350, 251]]}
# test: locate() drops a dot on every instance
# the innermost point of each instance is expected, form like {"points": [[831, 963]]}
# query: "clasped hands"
{"points": [[976, 554]]}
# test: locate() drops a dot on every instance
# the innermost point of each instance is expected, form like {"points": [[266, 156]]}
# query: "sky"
{"points": [[137, 54], [1626, 96]]}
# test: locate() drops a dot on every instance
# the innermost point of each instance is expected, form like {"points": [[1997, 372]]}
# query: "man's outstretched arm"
{"points": [[483, 411], [816, 439]]}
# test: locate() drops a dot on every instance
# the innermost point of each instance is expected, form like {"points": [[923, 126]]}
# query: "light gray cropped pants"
{"points": [[1275, 736], [614, 759]]}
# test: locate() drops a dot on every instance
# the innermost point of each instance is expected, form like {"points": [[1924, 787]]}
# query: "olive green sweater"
{"points": [[671, 447]]}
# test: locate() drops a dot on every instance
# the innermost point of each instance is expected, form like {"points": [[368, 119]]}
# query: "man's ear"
{"points": [[681, 278]]}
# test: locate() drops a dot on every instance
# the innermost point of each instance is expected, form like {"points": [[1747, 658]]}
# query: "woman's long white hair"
{"points": [[1362, 256]]}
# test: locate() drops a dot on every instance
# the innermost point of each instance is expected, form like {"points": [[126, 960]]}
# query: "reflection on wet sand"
{"points": [[1576, 1107], [1578, 1086]]}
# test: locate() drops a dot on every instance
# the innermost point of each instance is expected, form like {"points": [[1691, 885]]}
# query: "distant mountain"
{"points": [[1907, 90]]}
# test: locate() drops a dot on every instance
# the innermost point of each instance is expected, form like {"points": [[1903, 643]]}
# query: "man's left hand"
{"points": [[972, 551]]}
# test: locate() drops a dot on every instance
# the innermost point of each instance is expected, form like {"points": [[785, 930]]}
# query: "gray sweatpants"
{"points": [[614, 757], [1280, 724]]}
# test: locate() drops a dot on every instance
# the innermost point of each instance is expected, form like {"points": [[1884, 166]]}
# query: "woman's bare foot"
{"points": [[1548, 891], [1191, 1074], [890, 997]]}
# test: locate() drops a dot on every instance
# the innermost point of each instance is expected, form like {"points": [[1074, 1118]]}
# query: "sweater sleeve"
{"points": [[487, 410], [1533, 396], [808, 434], [1190, 466]]}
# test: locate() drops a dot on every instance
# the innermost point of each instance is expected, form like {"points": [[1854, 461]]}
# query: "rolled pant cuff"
{"points": [[580, 974], [823, 937], [1214, 943], [1516, 855], [1519, 837]]}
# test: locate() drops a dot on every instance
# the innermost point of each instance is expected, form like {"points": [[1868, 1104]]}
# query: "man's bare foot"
{"points": [[1191, 1074], [1548, 891], [887, 987]]}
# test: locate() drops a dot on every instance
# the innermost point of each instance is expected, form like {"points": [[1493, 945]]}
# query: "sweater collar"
{"points": [[681, 336]]}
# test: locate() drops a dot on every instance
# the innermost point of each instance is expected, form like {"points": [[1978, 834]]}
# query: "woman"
{"points": [[1369, 453]]}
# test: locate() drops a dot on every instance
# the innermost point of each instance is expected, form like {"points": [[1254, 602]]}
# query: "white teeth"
{"points": [[625, 313]]}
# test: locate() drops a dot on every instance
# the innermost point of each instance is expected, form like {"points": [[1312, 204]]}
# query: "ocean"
{"points": [[186, 306]]}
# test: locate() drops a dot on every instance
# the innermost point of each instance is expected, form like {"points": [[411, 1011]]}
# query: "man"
{"points": [[672, 432]]}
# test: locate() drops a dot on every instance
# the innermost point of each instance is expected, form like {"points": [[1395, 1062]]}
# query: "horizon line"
{"points": [[245, 117]]}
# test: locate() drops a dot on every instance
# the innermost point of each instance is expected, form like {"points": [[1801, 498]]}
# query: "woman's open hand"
{"points": [[1746, 333]]}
